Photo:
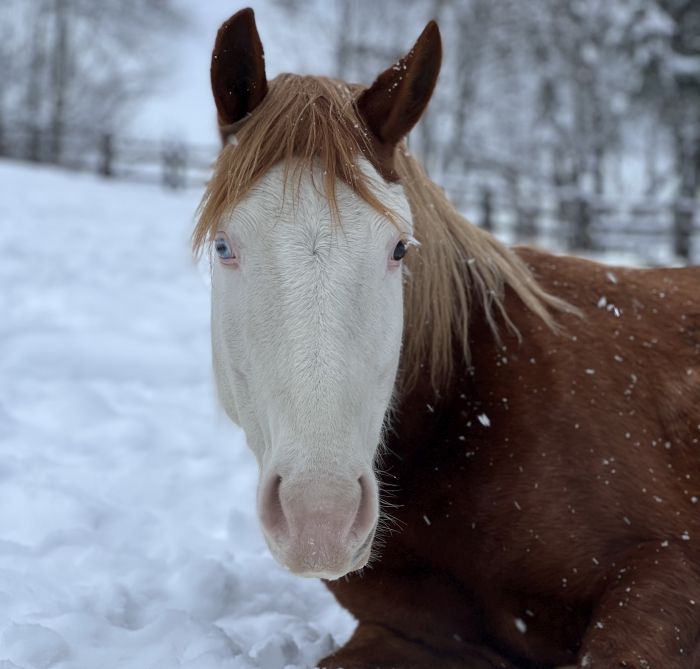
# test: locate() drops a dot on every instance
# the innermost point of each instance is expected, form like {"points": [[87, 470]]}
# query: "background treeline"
{"points": [[570, 122], [72, 69]]}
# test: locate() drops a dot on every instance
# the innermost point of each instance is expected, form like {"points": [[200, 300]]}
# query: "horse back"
{"points": [[639, 337]]}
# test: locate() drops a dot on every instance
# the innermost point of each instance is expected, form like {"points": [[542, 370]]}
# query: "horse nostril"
{"points": [[271, 510], [366, 510]]}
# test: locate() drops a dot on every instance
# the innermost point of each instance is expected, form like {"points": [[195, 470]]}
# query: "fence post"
{"points": [[486, 209], [581, 224], [683, 224], [107, 155], [525, 223], [33, 150], [174, 166]]}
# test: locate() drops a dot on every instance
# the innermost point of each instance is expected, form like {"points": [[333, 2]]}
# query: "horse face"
{"points": [[307, 311], [306, 324]]}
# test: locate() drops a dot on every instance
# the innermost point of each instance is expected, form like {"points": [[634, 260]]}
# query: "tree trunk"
{"points": [[686, 169], [33, 97], [59, 79]]}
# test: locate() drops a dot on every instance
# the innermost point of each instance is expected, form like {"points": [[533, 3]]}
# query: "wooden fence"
{"points": [[657, 232], [173, 164]]}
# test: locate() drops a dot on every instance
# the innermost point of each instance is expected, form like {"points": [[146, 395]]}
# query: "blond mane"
{"points": [[304, 119]]}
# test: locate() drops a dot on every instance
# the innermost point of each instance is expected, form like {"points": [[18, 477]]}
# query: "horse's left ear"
{"points": [[238, 78], [392, 105]]}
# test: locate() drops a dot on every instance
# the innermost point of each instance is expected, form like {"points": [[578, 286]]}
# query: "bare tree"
{"points": [[80, 65], [681, 82]]}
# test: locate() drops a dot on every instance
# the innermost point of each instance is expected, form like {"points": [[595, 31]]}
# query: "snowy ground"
{"points": [[127, 528]]}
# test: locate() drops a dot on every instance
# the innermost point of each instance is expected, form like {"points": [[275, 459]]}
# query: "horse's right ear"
{"points": [[238, 68]]}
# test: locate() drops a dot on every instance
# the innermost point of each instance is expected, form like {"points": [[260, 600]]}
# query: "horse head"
{"points": [[309, 225]]}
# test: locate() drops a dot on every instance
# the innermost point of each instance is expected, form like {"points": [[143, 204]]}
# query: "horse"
{"points": [[489, 454]]}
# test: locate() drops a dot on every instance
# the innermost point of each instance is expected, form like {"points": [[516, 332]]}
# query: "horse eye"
{"points": [[223, 248], [399, 251]]}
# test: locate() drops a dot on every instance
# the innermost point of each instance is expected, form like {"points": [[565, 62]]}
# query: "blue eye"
{"points": [[223, 248]]}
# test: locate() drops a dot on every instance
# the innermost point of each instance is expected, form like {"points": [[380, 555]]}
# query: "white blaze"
{"points": [[306, 336]]}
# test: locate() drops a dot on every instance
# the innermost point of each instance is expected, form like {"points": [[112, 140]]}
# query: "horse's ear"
{"points": [[392, 105], [238, 68]]}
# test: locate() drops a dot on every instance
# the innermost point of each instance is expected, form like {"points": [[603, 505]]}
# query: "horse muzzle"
{"points": [[319, 528]]}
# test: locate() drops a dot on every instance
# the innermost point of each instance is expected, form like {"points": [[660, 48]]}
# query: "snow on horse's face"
{"points": [[307, 311], [307, 322]]}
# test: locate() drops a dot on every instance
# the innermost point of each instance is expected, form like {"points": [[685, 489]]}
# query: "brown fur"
{"points": [[545, 468], [570, 511]]}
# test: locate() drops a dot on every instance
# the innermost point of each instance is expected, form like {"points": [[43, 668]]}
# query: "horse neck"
{"points": [[422, 411]]}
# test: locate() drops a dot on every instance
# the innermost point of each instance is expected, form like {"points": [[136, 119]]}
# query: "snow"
{"points": [[484, 419], [128, 535]]}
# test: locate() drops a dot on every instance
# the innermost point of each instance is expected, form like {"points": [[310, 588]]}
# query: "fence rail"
{"points": [[655, 231], [171, 163], [658, 232]]}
